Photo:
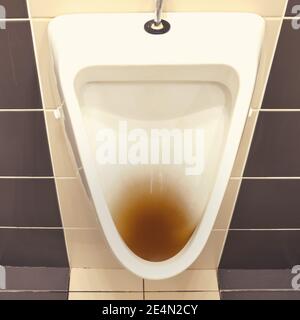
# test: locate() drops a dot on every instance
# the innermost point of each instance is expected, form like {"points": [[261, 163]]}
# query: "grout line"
{"points": [[15, 19], [81, 228], [41, 89], [42, 19], [268, 71], [63, 227], [37, 178], [53, 108], [285, 9], [58, 195], [182, 291], [288, 229], [265, 178], [263, 91], [46, 110], [33, 291], [47, 18], [105, 291], [34, 43], [291, 18], [255, 114], [259, 290], [236, 178], [279, 110], [25, 177], [97, 229], [30, 228], [20, 110], [228, 225], [28, 7], [272, 18], [145, 12]]}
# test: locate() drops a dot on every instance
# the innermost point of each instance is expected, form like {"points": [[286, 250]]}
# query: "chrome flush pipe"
{"points": [[157, 25], [158, 12]]}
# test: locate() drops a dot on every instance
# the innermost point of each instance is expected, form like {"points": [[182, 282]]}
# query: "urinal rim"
{"points": [[177, 264]]}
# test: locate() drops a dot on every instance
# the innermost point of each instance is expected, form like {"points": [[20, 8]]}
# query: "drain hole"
{"points": [[162, 28]]}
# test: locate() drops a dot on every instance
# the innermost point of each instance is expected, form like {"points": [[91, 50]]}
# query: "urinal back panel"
{"points": [[200, 74]]}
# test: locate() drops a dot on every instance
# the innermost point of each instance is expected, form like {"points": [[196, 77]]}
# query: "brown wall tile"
{"points": [[252, 279], [283, 85], [267, 204], [291, 10], [33, 248], [19, 86], [38, 279], [24, 145], [29, 203], [261, 250], [275, 149], [15, 8], [261, 295], [33, 296]]}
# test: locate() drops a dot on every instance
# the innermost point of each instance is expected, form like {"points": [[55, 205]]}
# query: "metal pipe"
{"points": [[158, 12]]}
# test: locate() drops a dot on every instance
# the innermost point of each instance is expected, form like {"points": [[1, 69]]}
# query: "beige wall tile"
{"points": [[210, 256], [106, 296], [273, 27], [242, 155], [228, 204], [104, 280], [182, 296], [50, 8], [76, 208], [87, 248], [50, 95], [64, 164], [190, 280]]}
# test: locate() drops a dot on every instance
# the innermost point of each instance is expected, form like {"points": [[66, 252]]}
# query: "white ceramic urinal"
{"points": [[196, 80]]}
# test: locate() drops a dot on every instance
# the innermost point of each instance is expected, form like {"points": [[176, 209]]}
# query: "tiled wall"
{"points": [[33, 257], [265, 205], [262, 245], [95, 272]]}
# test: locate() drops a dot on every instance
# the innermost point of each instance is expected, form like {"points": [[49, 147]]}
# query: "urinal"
{"points": [[197, 78]]}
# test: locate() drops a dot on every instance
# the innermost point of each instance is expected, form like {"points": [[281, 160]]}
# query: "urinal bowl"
{"points": [[200, 76]]}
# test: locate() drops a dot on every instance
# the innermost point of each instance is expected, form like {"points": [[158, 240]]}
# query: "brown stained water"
{"points": [[154, 225]]}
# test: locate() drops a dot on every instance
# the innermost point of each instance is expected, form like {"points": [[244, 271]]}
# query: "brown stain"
{"points": [[155, 226]]}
